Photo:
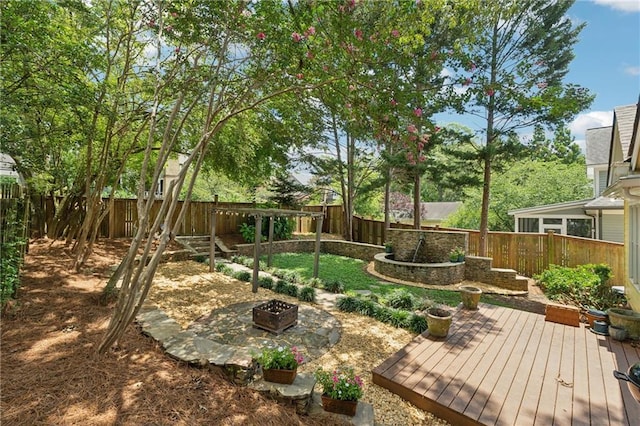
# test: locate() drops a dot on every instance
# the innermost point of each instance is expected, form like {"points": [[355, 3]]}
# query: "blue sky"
{"points": [[607, 59]]}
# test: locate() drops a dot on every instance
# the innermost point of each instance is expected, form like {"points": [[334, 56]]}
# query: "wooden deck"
{"points": [[510, 367]]}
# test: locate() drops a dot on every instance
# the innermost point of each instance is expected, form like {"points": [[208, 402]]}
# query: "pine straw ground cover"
{"points": [[50, 372]]}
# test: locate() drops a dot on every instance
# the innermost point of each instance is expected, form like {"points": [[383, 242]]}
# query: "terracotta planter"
{"points": [[339, 406], [470, 296], [276, 375], [438, 322], [595, 315]]}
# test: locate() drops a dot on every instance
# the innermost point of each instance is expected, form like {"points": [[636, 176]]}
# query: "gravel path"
{"points": [[187, 291]]}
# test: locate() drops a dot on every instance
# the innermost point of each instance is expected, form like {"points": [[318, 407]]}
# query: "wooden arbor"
{"points": [[258, 214]]}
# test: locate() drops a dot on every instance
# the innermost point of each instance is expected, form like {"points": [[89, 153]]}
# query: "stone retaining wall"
{"points": [[432, 273], [360, 251], [479, 269], [423, 246]]}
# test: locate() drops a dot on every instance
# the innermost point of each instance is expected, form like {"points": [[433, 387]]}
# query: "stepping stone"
{"points": [[298, 394]]}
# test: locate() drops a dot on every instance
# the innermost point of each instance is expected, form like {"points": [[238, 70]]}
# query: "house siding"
{"points": [[632, 254], [612, 227]]}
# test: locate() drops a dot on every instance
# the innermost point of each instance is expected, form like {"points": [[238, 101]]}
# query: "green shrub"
{"points": [[292, 276], [399, 318], [281, 287], [291, 290], [383, 314], [368, 308], [226, 269], [307, 294], [401, 299], [334, 286], [314, 282], [348, 304], [248, 232], [242, 276], [220, 267], [584, 285], [417, 323], [265, 282]]}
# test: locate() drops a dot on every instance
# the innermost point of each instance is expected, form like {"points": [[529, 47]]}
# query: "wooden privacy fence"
{"points": [[527, 253]]}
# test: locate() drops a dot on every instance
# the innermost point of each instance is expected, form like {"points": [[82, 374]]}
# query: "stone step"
{"points": [[298, 394]]}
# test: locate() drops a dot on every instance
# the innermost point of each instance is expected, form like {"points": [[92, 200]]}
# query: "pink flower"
{"points": [[394, 102], [418, 112], [395, 33], [436, 129], [296, 37], [490, 92], [352, 87], [174, 14], [358, 34], [310, 31], [299, 76], [413, 138], [347, 105], [467, 81], [411, 128], [542, 85], [261, 36], [310, 54]]}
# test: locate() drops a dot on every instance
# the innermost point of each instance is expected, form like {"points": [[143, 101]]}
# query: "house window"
{"points": [[580, 227], [552, 221], [528, 224]]}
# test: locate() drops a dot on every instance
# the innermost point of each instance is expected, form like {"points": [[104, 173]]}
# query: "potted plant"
{"points": [[388, 247], [280, 365], [438, 321], [341, 390], [453, 256]]}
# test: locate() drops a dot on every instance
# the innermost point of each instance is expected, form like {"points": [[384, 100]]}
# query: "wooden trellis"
{"points": [[258, 214]]}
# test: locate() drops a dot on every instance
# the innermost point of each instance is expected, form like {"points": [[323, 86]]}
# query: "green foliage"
{"points": [[585, 285], [225, 269], [368, 308], [242, 276], [314, 282], [307, 294], [525, 184], [265, 282], [282, 358], [399, 318], [248, 232], [417, 323], [334, 286], [291, 290], [12, 243], [281, 287], [348, 304], [220, 267], [401, 299]]}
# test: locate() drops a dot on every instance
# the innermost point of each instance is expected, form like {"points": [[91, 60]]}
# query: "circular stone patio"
{"points": [[315, 332]]}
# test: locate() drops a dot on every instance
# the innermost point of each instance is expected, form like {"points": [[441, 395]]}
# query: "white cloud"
{"points": [[590, 120], [624, 5], [632, 70]]}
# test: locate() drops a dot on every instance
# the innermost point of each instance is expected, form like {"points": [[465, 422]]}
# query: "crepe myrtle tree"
{"points": [[515, 78], [214, 61]]}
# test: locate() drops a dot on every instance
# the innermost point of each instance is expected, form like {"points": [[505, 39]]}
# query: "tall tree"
{"points": [[516, 71]]}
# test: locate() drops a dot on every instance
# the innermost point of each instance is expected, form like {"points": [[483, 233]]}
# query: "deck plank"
{"points": [[509, 374], [444, 373], [581, 410], [525, 371]]}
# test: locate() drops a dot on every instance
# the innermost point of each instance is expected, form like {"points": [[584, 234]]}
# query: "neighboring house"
{"points": [[8, 168], [600, 217], [623, 179], [169, 174]]}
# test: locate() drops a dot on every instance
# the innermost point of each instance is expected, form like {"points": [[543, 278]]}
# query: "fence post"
{"points": [[551, 249]]}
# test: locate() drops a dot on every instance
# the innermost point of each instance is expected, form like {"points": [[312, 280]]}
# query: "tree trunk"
{"points": [[417, 211]]}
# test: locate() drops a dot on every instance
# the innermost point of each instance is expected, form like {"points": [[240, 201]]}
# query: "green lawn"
{"points": [[351, 273]]}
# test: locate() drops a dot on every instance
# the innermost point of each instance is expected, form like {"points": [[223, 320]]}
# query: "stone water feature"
{"points": [[423, 256]]}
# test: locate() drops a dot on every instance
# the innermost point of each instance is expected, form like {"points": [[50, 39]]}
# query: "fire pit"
{"points": [[275, 316]]}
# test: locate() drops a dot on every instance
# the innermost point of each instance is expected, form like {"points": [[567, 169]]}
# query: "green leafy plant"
{"points": [[348, 304], [307, 294], [399, 318], [417, 323], [248, 232], [242, 276], [281, 287], [265, 282], [291, 290], [401, 299], [334, 286], [281, 358], [314, 282], [585, 285], [342, 383]]}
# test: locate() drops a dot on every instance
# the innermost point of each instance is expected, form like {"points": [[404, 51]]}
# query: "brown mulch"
{"points": [[51, 373]]}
